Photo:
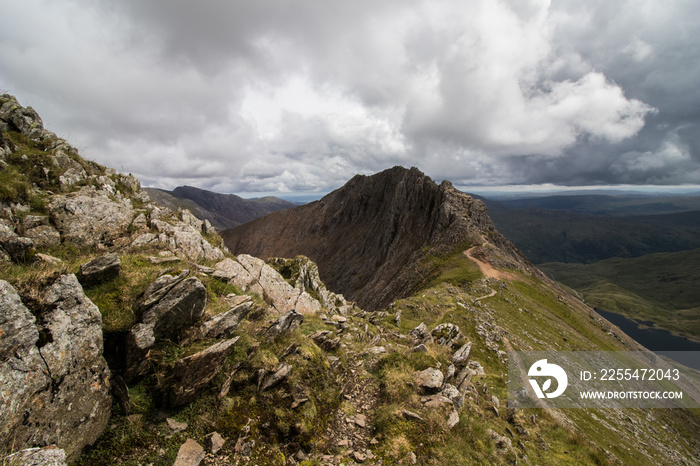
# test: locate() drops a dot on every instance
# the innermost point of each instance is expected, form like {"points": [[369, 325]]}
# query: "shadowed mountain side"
{"points": [[222, 210], [378, 237]]}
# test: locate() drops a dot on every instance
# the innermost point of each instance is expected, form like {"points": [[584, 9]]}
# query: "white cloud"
{"points": [[670, 154], [270, 95]]}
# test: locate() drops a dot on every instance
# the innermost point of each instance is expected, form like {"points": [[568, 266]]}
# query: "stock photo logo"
{"points": [[542, 368]]}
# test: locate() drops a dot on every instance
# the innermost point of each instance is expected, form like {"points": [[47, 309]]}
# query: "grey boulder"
{"points": [[100, 270], [429, 381], [56, 380]]}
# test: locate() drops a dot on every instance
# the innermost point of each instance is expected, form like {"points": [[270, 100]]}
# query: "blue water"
{"points": [[657, 340]]}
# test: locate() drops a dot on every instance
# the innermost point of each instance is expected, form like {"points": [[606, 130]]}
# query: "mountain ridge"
{"points": [[222, 210], [406, 220]]}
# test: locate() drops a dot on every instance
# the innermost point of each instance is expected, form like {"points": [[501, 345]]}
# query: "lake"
{"points": [[657, 340]]}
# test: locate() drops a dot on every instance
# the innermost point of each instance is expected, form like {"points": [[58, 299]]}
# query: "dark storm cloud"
{"points": [[299, 96]]}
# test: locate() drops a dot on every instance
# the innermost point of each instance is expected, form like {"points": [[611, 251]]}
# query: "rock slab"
{"points": [[191, 374], [191, 453], [99, 270], [168, 306]]}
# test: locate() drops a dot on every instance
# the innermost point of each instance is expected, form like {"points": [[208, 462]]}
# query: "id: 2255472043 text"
{"points": [[632, 374]]}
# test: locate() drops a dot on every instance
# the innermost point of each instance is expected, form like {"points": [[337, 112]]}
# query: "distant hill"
{"points": [[663, 288], [222, 210], [617, 205], [560, 235]]}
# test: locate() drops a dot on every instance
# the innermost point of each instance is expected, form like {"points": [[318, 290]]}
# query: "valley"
{"points": [[662, 289], [635, 255]]}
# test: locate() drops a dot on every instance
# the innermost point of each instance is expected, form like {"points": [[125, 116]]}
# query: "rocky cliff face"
{"points": [[374, 238], [56, 383]]}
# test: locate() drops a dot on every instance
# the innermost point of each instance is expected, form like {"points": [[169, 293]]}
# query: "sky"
{"points": [[282, 96]]}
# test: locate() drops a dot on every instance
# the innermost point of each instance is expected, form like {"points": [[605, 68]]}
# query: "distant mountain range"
{"points": [[603, 204], [586, 229], [222, 210]]}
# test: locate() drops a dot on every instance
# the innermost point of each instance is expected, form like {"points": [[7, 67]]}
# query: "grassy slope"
{"points": [[663, 287], [532, 315]]}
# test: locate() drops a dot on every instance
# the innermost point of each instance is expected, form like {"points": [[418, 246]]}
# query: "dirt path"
{"points": [[487, 269], [491, 294], [351, 431]]}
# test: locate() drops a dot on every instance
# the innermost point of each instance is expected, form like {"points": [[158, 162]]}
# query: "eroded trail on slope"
{"points": [[486, 268], [351, 433]]}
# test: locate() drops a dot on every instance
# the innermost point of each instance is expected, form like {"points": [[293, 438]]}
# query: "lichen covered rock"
{"points": [[90, 217], [56, 383], [191, 374]]}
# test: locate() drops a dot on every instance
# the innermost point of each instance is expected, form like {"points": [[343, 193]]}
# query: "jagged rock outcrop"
{"points": [[303, 273], [56, 384], [87, 205], [191, 374], [22, 372], [285, 324], [14, 117], [446, 334], [184, 237], [419, 333], [401, 216], [223, 325], [252, 274], [167, 308], [461, 356]]}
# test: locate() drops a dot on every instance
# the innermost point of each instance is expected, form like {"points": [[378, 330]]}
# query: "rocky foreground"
{"points": [[130, 335]]}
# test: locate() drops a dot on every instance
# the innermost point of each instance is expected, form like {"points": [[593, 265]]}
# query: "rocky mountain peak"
{"points": [[373, 238]]}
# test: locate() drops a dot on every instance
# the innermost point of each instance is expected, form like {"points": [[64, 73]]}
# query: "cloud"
{"points": [[274, 96]]}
